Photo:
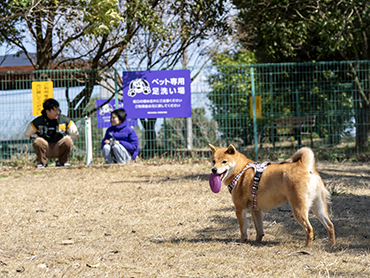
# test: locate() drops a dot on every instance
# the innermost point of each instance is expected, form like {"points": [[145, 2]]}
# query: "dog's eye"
{"points": [[213, 161], [224, 162]]}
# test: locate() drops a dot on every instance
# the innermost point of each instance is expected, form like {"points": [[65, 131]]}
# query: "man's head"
{"points": [[51, 109]]}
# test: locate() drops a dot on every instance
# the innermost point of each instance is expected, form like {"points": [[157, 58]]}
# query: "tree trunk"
{"points": [[44, 41]]}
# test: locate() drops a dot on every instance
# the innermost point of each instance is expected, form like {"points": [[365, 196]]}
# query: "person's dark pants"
{"points": [[45, 150]]}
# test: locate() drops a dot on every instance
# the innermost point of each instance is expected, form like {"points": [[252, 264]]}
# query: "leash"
{"points": [[258, 170]]}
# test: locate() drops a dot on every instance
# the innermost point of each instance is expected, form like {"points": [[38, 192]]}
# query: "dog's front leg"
{"points": [[257, 216], [240, 214]]}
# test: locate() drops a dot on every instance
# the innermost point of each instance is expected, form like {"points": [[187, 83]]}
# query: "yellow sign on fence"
{"points": [[41, 91], [258, 101]]}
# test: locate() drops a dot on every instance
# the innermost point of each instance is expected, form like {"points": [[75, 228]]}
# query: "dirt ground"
{"points": [[162, 220]]}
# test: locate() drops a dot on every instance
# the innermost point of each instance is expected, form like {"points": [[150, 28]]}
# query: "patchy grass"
{"points": [[162, 220]]}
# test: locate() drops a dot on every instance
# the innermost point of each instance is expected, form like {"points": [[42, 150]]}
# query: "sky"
{"points": [[7, 50]]}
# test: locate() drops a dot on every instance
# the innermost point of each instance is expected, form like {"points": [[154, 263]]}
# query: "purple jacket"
{"points": [[126, 136]]}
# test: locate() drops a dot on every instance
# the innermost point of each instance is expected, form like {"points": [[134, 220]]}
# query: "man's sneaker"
{"points": [[40, 165], [58, 164]]}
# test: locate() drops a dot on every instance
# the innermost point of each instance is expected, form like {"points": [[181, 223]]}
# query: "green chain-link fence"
{"points": [[324, 105]]}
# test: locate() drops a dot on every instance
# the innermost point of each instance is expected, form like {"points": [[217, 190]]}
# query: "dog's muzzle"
{"points": [[214, 170]]}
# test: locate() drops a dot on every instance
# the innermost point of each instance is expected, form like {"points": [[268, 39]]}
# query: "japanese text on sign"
{"points": [[41, 91]]}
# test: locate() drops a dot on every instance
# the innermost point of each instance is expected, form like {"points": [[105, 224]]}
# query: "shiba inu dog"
{"points": [[295, 180]]}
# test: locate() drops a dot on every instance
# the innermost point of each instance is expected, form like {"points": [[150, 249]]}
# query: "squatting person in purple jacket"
{"points": [[120, 143]]}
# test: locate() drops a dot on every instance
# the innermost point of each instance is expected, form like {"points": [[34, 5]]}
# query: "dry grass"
{"points": [[163, 221]]}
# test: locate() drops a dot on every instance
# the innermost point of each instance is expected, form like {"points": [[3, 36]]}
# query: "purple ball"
{"points": [[215, 183]]}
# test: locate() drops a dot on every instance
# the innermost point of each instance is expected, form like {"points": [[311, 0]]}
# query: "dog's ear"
{"points": [[231, 150], [213, 148]]}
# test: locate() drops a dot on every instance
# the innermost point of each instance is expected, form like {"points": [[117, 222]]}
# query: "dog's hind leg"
{"points": [[240, 214], [301, 215], [257, 216], [320, 210]]}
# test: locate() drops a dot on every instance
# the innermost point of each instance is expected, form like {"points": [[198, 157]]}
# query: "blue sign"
{"points": [[157, 94], [103, 113]]}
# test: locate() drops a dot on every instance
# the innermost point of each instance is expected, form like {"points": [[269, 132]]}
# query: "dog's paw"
{"points": [[259, 237]]}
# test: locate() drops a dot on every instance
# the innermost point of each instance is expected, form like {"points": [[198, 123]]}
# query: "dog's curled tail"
{"points": [[305, 155]]}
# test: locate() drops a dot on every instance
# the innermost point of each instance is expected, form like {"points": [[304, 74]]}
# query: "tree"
{"points": [[52, 26], [301, 31]]}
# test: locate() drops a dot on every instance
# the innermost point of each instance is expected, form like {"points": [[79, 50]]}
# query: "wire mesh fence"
{"points": [[335, 93], [323, 105]]}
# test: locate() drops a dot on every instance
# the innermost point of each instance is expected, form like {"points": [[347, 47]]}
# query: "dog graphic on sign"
{"points": [[139, 86]]}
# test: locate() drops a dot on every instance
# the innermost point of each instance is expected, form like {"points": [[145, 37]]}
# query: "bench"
{"points": [[10, 147], [292, 126]]}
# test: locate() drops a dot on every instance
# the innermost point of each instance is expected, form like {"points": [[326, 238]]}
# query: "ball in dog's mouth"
{"points": [[215, 182]]}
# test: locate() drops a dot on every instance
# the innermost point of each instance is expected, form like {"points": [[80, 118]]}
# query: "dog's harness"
{"points": [[235, 180], [258, 170]]}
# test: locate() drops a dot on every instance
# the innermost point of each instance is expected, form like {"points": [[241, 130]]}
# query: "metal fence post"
{"points": [[116, 89], [226, 119], [254, 116]]}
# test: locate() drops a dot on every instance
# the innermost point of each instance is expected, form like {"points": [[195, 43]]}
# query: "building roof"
{"points": [[15, 59]]}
